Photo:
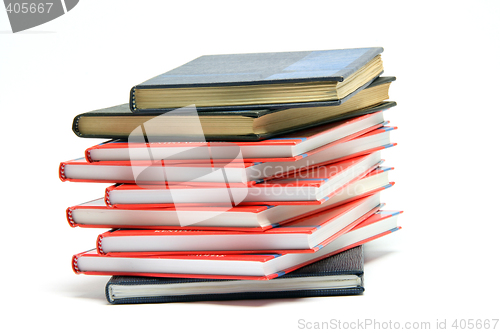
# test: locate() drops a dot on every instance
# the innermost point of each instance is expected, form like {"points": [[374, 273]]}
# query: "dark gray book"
{"points": [[261, 80], [340, 274]]}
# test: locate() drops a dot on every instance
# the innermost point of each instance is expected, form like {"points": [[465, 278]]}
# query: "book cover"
{"points": [[308, 234], [290, 147], [337, 275], [310, 187], [229, 266], [118, 122], [206, 173], [213, 172], [209, 74], [96, 214]]}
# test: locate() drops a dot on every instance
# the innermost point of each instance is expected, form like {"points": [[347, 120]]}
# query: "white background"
{"points": [[442, 265]]}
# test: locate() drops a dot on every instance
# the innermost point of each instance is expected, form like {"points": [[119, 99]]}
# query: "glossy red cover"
{"points": [[163, 163], [237, 257], [249, 209], [289, 140], [308, 225], [303, 178]]}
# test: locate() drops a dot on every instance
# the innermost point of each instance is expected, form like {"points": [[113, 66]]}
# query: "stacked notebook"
{"points": [[237, 177]]}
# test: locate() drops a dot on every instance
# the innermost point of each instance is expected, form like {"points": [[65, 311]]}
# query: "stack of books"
{"points": [[237, 177]]}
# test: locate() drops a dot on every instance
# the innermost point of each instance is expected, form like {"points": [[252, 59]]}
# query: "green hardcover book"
{"points": [[118, 122]]}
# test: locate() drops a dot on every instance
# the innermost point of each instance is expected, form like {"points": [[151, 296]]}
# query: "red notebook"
{"points": [[96, 214], [290, 147], [308, 234], [221, 266], [211, 172], [311, 186]]}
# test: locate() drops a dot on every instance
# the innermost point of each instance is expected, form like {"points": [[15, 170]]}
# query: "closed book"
{"points": [[210, 170], [289, 147], [337, 275], [96, 214], [261, 80], [308, 234], [312, 186], [118, 122], [228, 266]]}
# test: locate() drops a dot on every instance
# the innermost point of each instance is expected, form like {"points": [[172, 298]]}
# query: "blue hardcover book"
{"points": [[261, 81], [340, 274]]}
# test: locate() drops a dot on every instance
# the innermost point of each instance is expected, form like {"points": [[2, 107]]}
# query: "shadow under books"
{"points": [[90, 289], [373, 255], [93, 289], [268, 302]]}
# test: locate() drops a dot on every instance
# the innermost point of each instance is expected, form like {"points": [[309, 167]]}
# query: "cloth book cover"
{"points": [[257, 69], [337, 275], [243, 124], [96, 214], [231, 266]]}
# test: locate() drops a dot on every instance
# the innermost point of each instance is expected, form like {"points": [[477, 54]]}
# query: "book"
{"points": [[338, 275], [235, 171], [96, 214], [308, 234], [261, 80], [289, 147], [311, 186], [118, 122], [228, 266]]}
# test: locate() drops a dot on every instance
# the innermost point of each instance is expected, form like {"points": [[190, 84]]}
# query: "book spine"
{"points": [[99, 245], [132, 103], [69, 217], [62, 175], [75, 129], [74, 264], [88, 156], [106, 195]]}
